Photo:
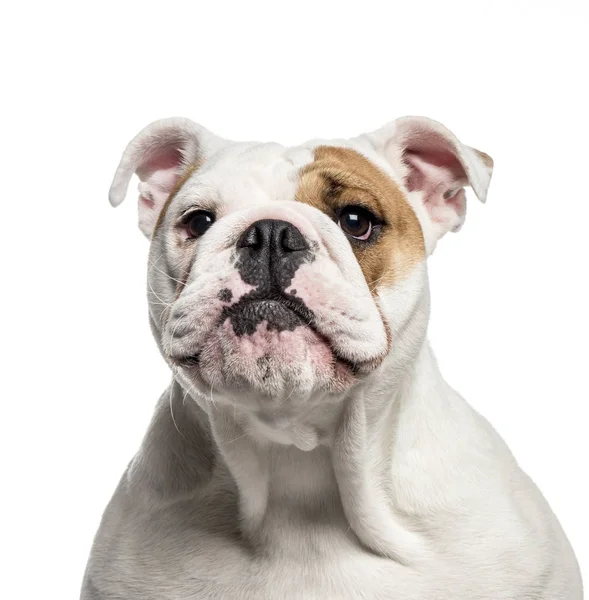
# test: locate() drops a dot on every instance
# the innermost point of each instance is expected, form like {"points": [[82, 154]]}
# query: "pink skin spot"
{"points": [[236, 286], [311, 289]]}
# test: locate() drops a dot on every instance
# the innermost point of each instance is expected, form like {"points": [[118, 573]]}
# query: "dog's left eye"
{"points": [[198, 222], [357, 222]]}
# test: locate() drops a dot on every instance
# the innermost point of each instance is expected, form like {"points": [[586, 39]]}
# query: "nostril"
{"points": [[278, 237], [292, 240], [252, 238]]}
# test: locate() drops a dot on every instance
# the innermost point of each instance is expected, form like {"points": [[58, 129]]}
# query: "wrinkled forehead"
{"points": [[245, 175], [250, 174]]}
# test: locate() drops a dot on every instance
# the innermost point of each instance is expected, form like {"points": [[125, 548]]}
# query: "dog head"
{"points": [[291, 275]]}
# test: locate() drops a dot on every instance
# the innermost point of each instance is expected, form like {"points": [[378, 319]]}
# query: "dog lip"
{"points": [[294, 306], [306, 317], [282, 311]]}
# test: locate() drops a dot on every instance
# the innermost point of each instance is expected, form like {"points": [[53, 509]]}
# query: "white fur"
{"points": [[273, 485]]}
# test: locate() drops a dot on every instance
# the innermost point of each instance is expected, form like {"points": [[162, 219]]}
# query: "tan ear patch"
{"points": [[340, 177], [485, 158]]}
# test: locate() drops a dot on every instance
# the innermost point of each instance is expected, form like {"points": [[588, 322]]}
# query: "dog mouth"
{"points": [[279, 312]]}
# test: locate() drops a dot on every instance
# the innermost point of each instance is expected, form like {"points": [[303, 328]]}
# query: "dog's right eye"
{"points": [[198, 222]]}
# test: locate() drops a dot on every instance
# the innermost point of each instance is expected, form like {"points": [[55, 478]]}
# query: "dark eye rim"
{"points": [[186, 218], [376, 221]]}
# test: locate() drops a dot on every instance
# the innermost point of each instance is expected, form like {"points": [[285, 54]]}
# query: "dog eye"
{"points": [[357, 222], [198, 222]]}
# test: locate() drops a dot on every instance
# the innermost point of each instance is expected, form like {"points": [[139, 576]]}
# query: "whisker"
{"points": [[168, 304], [213, 403], [237, 438], [187, 392], [161, 304], [373, 285], [164, 273], [172, 414], [291, 393]]}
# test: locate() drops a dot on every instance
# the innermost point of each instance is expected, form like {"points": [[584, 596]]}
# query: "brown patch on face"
{"points": [[341, 177], [183, 179]]}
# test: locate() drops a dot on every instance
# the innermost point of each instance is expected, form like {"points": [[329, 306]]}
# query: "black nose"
{"points": [[278, 237], [270, 252]]}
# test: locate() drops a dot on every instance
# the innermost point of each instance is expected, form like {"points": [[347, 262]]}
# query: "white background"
{"points": [[80, 372]]}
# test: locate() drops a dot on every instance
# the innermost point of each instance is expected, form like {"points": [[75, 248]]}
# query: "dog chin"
{"points": [[269, 361]]}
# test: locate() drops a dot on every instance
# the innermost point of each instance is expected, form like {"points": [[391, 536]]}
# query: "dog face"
{"points": [[293, 274]]}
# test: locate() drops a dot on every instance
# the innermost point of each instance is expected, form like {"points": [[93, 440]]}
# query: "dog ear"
{"points": [[160, 154], [435, 163]]}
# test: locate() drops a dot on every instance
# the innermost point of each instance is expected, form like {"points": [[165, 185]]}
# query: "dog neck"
{"points": [[360, 473]]}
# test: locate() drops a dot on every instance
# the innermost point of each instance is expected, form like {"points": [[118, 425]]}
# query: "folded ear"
{"points": [[433, 162], [160, 154]]}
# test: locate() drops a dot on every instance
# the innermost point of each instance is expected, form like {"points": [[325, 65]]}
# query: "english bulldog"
{"points": [[308, 446]]}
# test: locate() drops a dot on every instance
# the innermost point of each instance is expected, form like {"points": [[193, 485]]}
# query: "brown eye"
{"points": [[357, 222], [198, 222]]}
